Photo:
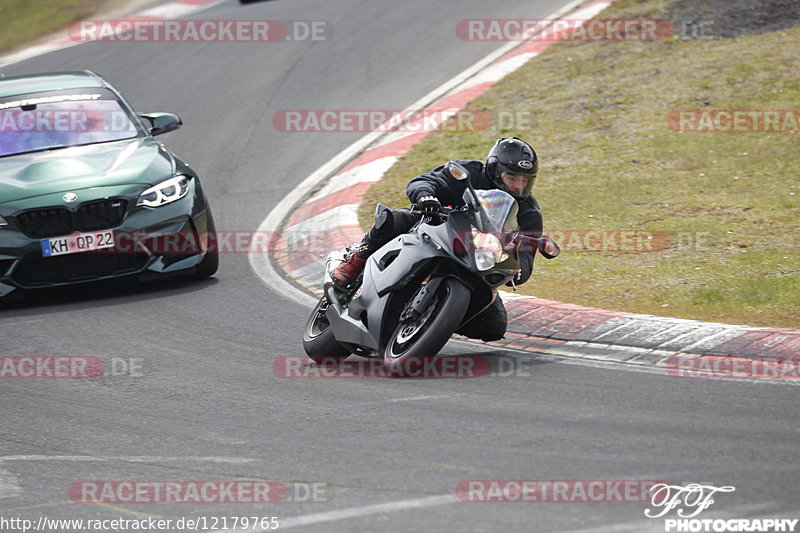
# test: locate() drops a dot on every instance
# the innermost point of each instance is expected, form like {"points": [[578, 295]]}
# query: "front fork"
{"points": [[422, 298]]}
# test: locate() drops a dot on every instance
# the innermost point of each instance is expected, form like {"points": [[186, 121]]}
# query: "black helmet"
{"points": [[515, 157]]}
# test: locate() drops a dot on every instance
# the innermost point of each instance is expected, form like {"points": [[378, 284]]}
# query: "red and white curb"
{"points": [[314, 220], [537, 324], [328, 218], [169, 11]]}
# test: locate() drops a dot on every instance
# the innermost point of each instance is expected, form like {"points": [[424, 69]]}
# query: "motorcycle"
{"points": [[421, 287]]}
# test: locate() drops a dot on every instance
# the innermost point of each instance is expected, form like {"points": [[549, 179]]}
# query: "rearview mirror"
{"points": [[457, 170], [548, 247], [162, 122]]}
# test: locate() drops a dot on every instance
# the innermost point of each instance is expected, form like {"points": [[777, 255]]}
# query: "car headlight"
{"points": [[488, 250], [3, 222], [165, 192]]}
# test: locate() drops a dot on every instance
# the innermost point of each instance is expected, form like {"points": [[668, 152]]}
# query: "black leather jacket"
{"points": [[450, 192]]}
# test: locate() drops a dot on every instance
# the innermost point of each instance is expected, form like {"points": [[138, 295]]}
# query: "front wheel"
{"points": [[318, 340], [424, 336]]}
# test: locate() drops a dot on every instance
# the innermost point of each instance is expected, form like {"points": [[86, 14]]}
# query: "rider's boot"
{"points": [[348, 270]]}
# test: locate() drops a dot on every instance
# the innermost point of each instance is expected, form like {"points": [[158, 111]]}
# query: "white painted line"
{"points": [[411, 399], [604, 364], [9, 486], [488, 69], [355, 512], [169, 11], [659, 355], [620, 322], [507, 295], [677, 339], [262, 264], [713, 340], [590, 11], [392, 137], [420, 398], [368, 172], [124, 458], [341, 215], [20, 322], [573, 349], [500, 70]]}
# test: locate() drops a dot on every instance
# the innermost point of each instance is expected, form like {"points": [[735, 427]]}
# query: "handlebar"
{"points": [[442, 214]]}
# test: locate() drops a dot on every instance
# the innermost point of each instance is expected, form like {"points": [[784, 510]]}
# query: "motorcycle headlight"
{"points": [[488, 250], [165, 192], [3, 222]]}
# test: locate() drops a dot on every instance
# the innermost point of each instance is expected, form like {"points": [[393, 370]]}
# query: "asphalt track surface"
{"points": [[207, 405]]}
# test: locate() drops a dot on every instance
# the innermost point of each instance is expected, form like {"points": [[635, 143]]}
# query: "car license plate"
{"points": [[77, 242]]}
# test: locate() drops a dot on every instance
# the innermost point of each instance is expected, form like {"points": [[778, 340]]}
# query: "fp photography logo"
{"points": [[689, 501]]}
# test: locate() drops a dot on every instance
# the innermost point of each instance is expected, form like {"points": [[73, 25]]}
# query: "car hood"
{"points": [[140, 160]]}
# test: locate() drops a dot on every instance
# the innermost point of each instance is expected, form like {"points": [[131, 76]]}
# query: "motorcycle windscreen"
{"points": [[500, 208]]}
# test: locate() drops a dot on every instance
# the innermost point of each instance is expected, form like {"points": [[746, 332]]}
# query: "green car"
{"points": [[87, 192]]}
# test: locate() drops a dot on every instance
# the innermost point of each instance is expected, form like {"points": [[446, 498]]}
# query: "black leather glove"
{"points": [[429, 204]]}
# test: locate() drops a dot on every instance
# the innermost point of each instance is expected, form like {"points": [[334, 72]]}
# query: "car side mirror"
{"points": [[162, 122]]}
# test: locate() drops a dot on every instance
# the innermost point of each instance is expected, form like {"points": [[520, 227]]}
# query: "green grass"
{"points": [[26, 20], [730, 202]]}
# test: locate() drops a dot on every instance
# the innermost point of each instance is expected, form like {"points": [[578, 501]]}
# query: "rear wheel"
{"points": [[318, 340], [423, 336]]}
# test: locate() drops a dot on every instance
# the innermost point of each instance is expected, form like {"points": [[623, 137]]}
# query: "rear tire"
{"points": [[318, 340], [425, 337]]}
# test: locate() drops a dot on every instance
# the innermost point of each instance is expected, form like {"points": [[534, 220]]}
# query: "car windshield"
{"points": [[500, 207], [46, 121]]}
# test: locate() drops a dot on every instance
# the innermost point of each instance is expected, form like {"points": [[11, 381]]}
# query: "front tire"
{"points": [[425, 336], [318, 340]]}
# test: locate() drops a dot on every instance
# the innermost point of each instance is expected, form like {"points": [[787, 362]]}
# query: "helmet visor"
{"points": [[516, 184]]}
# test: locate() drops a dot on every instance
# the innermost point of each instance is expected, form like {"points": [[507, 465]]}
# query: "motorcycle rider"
{"points": [[511, 165]]}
